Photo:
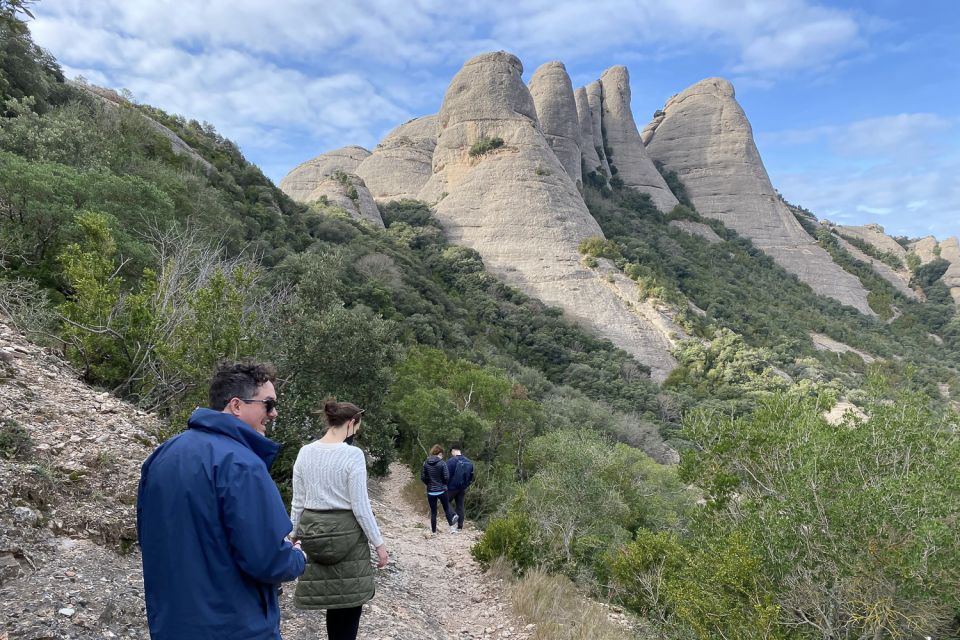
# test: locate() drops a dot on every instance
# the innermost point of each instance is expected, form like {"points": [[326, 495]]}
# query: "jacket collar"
{"points": [[227, 425]]}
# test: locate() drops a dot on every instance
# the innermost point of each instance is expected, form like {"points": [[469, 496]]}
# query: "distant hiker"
{"points": [[461, 477], [435, 475], [211, 524], [331, 514]]}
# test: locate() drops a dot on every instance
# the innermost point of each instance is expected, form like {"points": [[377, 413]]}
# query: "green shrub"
{"points": [[508, 537], [704, 588], [598, 247], [483, 145], [15, 440]]}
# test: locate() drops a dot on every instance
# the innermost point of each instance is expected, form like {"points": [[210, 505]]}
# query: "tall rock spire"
{"points": [[633, 166], [498, 187], [595, 102], [705, 137], [588, 144], [557, 111]]}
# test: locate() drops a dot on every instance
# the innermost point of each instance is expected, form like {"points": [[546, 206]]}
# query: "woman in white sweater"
{"points": [[330, 503]]}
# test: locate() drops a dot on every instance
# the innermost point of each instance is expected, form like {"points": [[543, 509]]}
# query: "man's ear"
{"points": [[233, 407]]}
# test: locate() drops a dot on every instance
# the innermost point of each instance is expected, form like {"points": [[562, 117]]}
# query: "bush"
{"points": [[598, 247], [508, 537], [483, 145], [15, 440]]}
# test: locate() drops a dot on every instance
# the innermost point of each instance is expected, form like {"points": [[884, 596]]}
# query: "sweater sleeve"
{"points": [[299, 494], [360, 501]]}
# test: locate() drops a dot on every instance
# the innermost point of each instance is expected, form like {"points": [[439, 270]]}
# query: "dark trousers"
{"points": [[433, 509], [343, 624], [457, 497]]}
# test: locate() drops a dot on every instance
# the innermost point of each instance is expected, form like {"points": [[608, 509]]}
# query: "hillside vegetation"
{"points": [[144, 266]]}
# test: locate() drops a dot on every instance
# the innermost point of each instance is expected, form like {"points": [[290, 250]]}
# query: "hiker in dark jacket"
{"points": [[436, 475], [211, 524], [461, 477]]}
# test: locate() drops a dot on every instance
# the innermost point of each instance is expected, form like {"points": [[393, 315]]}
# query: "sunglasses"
{"points": [[268, 405]]}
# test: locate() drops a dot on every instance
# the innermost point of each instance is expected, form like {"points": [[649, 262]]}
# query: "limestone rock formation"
{"points": [[329, 178], [402, 163], [705, 137], [527, 224], [926, 249], [557, 112], [302, 180], [899, 278], [595, 102], [874, 235], [348, 192], [630, 158], [950, 251], [588, 145]]}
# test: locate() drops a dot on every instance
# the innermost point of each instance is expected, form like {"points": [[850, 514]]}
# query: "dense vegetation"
{"points": [[145, 264]]}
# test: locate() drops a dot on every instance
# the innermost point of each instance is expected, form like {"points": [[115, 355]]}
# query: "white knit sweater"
{"points": [[333, 476]]}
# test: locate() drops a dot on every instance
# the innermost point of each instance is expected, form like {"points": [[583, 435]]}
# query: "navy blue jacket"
{"points": [[212, 530], [461, 473]]}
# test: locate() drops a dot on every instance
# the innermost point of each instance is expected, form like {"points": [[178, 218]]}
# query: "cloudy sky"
{"points": [[855, 106]]}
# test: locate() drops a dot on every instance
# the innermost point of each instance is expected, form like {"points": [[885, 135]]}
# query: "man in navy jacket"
{"points": [[211, 523], [461, 477]]}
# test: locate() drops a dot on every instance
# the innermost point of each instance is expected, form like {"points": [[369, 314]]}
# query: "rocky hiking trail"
{"points": [[69, 565], [432, 587]]}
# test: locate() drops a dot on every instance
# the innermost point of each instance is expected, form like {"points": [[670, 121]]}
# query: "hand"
{"points": [[296, 545], [382, 557]]}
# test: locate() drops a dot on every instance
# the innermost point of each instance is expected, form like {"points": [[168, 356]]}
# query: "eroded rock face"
{"points": [[595, 102], [330, 179], [950, 251], [557, 111], [926, 249], [347, 191], [588, 151], [899, 278], [527, 223], [874, 235], [630, 158], [402, 163], [705, 137], [302, 180]]}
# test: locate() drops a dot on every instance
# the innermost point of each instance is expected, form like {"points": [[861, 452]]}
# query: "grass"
{"points": [[560, 611]]}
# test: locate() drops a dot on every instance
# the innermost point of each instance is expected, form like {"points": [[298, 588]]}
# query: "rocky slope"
{"points": [[703, 135], [331, 178], [517, 206], [69, 566], [899, 278]]}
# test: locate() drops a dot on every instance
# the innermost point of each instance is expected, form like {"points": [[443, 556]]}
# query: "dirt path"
{"points": [[432, 587]]}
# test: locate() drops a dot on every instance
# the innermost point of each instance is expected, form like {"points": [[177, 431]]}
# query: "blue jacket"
{"points": [[461, 473], [212, 528]]}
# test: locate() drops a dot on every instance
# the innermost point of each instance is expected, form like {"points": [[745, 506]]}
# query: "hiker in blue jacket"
{"points": [[434, 474], [211, 524], [461, 477]]}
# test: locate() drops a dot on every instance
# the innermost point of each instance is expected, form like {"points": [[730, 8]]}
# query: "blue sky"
{"points": [[855, 106]]}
